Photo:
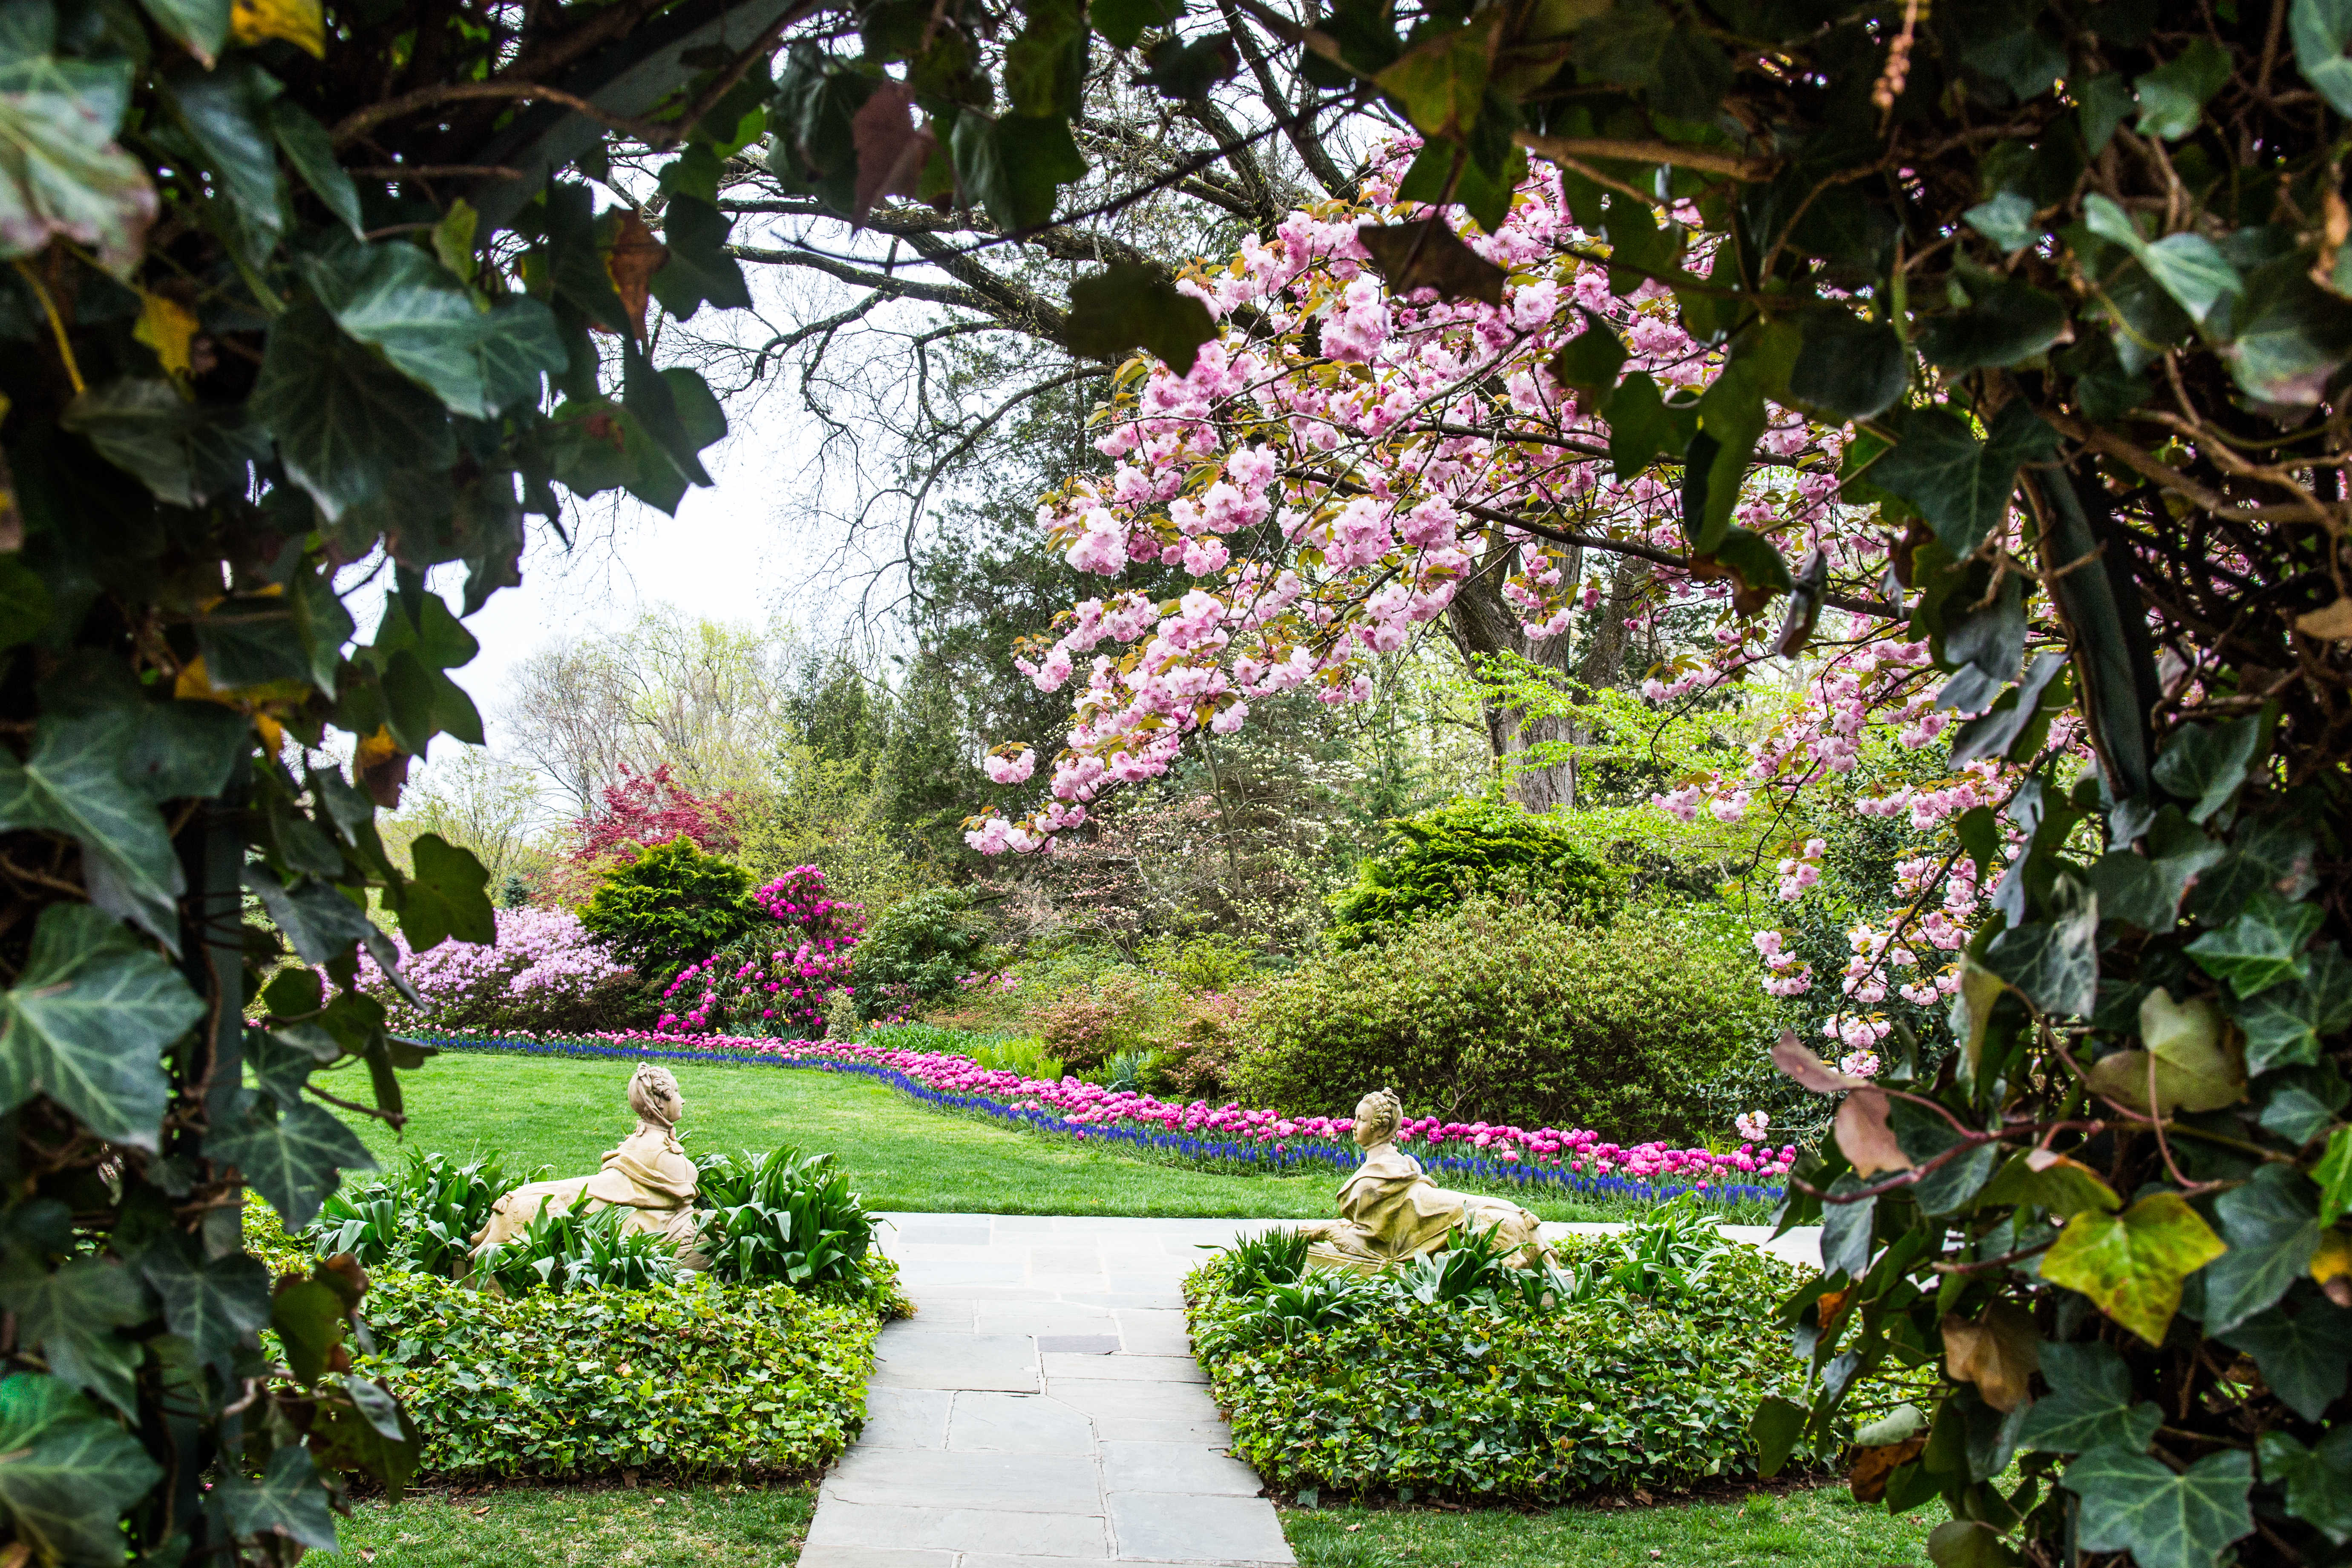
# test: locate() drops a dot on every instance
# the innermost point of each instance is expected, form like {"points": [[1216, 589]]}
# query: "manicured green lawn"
{"points": [[581, 1527], [564, 1112], [1820, 1528]]}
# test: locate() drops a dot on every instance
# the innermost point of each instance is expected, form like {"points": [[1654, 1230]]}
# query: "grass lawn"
{"points": [[565, 1112], [1821, 1527], [581, 1527]]}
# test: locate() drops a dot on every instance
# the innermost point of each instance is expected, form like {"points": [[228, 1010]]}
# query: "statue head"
{"points": [[653, 1095], [1377, 1116]]}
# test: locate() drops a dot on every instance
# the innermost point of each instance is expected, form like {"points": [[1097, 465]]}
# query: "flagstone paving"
{"points": [[1041, 1409]]}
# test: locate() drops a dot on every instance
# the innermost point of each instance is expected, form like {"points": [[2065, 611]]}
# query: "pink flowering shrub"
{"points": [[778, 980], [545, 971]]}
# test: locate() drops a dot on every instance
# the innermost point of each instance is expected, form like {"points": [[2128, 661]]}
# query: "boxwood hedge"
{"points": [[1485, 1400]]}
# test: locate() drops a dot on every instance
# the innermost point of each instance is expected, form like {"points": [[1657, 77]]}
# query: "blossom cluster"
{"points": [[1333, 464], [538, 973], [1073, 1100], [778, 981]]}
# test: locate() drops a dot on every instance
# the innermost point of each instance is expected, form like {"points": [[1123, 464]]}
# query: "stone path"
{"points": [[1041, 1409]]}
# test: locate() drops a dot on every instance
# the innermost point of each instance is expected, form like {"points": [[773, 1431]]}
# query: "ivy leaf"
{"points": [[1685, 72], [699, 270], [2146, 888], [1442, 80], [2303, 1357], [308, 147], [1961, 484], [1846, 1230], [668, 404], [2136, 1503], [2089, 1405], [348, 425], [2187, 267], [1923, 1136], [2131, 1264], [2197, 1067], [184, 453], [1484, 193], [227, 112], [2261, 947], [216, 1304], [2006, 220], [68, 1473], [1129, 305], [1774, 1430], [70, 1316], [1121, 22], [1998, 1353], [1425, 253], [73, 784], [1848, 368], [87, 1024], [2053, 962], [2040, 1179], [200, 26], [2299, 1114], [2009, 323], [294, 1159], [445, 897], [2273, 1228], [289, 1500], [319, 921], [1014, 167], [2333, 1174], [2321, 29], [478, 362], [2205, 763], [310, 1320], [2172, 97], [2318, 1481], [61, 174], [2289, 336]]}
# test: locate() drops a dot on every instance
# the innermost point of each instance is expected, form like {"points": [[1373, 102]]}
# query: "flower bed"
{"points": [[1569, 1162]]}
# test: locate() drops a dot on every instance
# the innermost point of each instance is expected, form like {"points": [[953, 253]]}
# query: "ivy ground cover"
{"points": [[1571, 1163]]}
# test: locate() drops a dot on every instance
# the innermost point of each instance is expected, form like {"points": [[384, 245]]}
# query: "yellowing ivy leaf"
{"points": [[1998, 1353], [168, 327], [2131, 1264], [302, 23], [2199, 1062]]}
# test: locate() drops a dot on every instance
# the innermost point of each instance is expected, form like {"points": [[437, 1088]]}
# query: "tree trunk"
{"points": [[1481, 624]]}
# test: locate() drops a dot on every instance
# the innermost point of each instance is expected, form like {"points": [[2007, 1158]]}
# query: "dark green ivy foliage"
{"points": [[234, 363], [2081, 261]]}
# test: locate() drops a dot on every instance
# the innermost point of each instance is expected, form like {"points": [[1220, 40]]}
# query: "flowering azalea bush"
{"points": [[545, 971], [779, 979]]}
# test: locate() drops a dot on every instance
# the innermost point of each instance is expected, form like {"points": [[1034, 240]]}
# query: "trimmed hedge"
{"points": [[1434, 861], [1486, 1400], [697, 1378], [1494, 1012]]}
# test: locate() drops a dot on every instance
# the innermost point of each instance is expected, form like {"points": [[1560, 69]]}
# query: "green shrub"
{"points": [[577, 1247], [918, 950], [691, 1379], [1493, 1011], [1212, 962], [421, 1215], [1453, 1378], [783, 1218], [670, 907], [1435, 860], [1121, 1012]]}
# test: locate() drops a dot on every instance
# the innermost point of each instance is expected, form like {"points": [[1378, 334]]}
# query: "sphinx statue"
{"points": [[1390, 1211], [648, 1174]]}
